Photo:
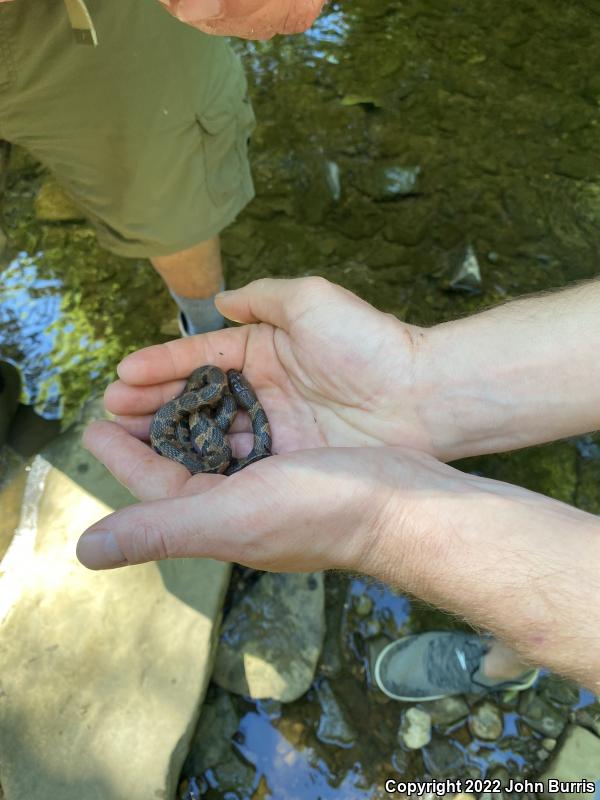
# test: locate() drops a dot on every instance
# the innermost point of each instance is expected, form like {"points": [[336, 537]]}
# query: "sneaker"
{"points": [[430, 666], [182, 322]]}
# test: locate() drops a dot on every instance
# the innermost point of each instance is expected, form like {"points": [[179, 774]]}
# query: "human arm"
{"points": [[333, 371], [519, 374], [249, 19], [523, 566]]}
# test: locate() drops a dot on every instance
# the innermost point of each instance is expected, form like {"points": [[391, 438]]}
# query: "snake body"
{"points": [[192, 429]]}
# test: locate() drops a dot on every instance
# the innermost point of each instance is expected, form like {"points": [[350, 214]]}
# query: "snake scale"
{"points": [[192, 429]]}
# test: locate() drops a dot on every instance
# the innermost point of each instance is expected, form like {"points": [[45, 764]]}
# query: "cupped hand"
{"points": [[248, 19], [305, 511], [328, 368]]}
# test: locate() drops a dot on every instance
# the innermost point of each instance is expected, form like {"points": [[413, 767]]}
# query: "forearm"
{"points": [[523, 373], [518, 564]]}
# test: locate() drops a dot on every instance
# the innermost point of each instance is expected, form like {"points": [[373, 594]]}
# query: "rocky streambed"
{"points": [[342, 738]]}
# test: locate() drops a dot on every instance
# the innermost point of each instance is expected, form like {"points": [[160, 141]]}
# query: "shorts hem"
{"points": [[137, 249]]}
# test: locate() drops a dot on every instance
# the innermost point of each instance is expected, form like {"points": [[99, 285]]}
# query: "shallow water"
{"points": [[394, 139]]}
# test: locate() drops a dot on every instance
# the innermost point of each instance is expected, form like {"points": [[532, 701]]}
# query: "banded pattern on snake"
{"points": [[192, 429]]}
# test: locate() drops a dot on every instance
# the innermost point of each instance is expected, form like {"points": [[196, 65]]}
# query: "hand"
{"points": [[249, 19], [309, 510], [328, 368]]}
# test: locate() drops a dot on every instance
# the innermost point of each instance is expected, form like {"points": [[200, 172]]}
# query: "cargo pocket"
{"points": [[225, 133]]}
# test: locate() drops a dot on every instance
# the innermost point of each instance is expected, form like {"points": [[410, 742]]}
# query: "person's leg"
{"points": [[193, 277], [502, 663], [148, 132]]}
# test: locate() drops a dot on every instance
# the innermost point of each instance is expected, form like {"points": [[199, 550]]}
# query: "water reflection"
{"points": [[29, 311]]}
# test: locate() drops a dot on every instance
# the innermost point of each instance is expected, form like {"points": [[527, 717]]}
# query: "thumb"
{"points": [[275, 301], [201, 526]]}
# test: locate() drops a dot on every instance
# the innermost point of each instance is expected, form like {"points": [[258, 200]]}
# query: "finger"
{"points": [[147, 475], [136, 426], [175, 360], [207, 527], [122, 399], [271, 300]]}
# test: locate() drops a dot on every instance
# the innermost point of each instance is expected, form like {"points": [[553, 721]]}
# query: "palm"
{"points": [[335, 372]]}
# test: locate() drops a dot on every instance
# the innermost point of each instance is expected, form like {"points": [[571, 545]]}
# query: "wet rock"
{"points": [[576, 758], [371, 629], [558, 690], [589, 718], [447, 710], [540, 715], [581, 166], [233, 775], [363, 605], [211, 744], [333, 726], [486, 722], [90, 659], [467, 274], [443, 757], [53, 204], [270, 643], [332, 176], [400, 761], [415, 729], [388, 181]]}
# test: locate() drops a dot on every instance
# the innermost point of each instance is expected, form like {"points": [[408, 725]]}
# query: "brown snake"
{"points": [[192, 429]]}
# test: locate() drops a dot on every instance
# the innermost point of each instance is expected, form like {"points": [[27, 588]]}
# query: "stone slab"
{"points": [[576, 759], [103, 673]]}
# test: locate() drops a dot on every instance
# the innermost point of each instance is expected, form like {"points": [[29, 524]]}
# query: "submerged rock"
{"points": [[53, 204], [486, 722], [388, 181], [211, 744], [447, 710], [541, 716], [333, 725], [443, 757], [415, 729], [271, 642], [467, 274]]}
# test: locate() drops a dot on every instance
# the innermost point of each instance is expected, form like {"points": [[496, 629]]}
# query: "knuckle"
{"points": [[150, 540]]}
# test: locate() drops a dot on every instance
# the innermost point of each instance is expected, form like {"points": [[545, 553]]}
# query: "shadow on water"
{"points": [[398, 143]]}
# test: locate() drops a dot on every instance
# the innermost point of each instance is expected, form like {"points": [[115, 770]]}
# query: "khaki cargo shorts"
{"points": [[148, 131]]}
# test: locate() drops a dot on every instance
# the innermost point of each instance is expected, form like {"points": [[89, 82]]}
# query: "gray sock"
{"points": [[200, 316]]}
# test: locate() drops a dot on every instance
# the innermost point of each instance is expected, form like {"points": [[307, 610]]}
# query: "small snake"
{"points": [[192, 429]]}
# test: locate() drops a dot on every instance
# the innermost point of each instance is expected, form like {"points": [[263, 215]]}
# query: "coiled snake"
{"points": [[192, 429]]}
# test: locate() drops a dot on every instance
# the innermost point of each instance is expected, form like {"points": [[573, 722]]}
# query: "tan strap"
{"points": [[81, 22]]}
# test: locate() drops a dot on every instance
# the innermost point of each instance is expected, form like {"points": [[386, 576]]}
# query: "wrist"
{"points": [[513, 562]]}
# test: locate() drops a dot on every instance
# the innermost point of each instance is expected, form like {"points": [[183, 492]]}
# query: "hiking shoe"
{"points": [[430, 666]]}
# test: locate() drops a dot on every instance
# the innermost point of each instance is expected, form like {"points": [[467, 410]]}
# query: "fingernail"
{"points": [[198, 10], [225, 293], [100, 550]]}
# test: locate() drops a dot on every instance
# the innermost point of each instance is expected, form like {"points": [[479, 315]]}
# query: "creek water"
{"points": [[433, 157]]}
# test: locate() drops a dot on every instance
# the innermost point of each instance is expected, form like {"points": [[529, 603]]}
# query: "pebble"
{"points": [[415, 729], [486, 722], [447, 710], [363, 605]]}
